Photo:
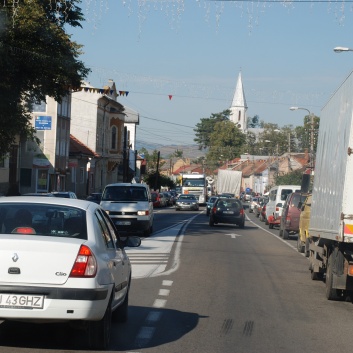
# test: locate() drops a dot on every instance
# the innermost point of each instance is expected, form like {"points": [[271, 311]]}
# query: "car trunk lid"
{"points": [[36, 260]]}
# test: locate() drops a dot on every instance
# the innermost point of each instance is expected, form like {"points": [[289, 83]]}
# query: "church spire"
{"points": [[238, 108]]}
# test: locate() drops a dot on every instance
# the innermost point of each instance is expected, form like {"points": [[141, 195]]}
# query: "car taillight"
{"points": [[241, 211], [85, 264]]}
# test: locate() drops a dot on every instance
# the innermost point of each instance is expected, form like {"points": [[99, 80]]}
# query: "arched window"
{"points": [[114, 138]]}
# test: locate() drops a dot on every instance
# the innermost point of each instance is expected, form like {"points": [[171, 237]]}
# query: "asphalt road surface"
{"points": [[220, 289]]}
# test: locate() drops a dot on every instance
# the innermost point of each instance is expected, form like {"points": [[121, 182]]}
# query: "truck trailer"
{"points": [[330, 233], [228, 182]]}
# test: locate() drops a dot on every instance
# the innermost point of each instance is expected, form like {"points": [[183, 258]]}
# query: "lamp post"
{"points": [[311, 115], [341, 49]]}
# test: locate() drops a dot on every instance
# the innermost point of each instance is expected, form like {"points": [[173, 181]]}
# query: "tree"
{"points": [[205, 128], [254, 122], [293, 178], [303, 133], [151, 159], [226, 142], [153, 181], [37, 59]]}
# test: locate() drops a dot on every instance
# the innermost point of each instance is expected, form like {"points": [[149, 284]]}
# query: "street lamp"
{"points": [[341, 49], [312, 128]]}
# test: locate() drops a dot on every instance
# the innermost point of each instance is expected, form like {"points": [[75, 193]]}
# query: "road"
{"points": [[220, 289]]}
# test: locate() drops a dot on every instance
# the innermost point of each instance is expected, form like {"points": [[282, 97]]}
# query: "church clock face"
{"points": [[239, 126]]}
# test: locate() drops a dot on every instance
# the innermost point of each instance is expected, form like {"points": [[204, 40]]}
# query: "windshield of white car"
{"points": [[125, 193]]}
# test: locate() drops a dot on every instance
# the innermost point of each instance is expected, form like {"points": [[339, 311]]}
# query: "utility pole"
{"points": [[157, 172]]}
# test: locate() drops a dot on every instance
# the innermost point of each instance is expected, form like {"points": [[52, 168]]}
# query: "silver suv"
{"points": [[129, 206]]}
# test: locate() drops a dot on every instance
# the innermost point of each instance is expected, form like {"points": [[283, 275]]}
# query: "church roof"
{"points": [[239, 96]]}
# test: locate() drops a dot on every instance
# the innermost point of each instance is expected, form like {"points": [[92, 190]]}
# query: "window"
{"points": [[114, 138], [105, 231]]}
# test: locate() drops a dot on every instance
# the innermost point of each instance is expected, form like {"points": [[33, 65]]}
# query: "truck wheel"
{"points": [[307, 251], [331, 293], [285, 234]]}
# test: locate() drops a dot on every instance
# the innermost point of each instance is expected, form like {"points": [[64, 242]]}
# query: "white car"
{"points": [[61, 260]]}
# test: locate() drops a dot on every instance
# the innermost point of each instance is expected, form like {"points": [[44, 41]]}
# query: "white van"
{"points": [[277, 196], [129, 206]]}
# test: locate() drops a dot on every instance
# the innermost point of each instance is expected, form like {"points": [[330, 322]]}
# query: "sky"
{"points": [[179, 60]]}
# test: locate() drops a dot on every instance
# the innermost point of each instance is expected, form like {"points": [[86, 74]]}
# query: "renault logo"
{"points": [[15, 257]]}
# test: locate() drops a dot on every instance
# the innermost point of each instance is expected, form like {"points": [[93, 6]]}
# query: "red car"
{"points": [[157, 199]]}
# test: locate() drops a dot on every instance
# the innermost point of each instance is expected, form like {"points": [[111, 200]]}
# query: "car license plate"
{"points": [[123, 223], [228, 212], [21, 301]]}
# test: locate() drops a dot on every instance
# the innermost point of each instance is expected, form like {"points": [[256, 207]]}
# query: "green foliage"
{"points": [[294, 178], [254, 122], [205, 128], [155, 181], [226, 142], [37, 59]]}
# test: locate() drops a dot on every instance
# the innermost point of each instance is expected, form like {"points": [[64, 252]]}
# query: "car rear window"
{"points": [[230, 203], [125, 193], [42, 219]]}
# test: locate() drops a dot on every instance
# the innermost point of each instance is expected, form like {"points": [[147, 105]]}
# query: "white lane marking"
{"points": [[233, 235], [278, 238], [144, 336], [151, 258], [153, 316], [159, 303], [167, 283], [164, 292]]}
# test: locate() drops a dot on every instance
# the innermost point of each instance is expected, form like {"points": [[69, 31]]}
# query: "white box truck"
{"points": [[228, 182], [330, 241]]}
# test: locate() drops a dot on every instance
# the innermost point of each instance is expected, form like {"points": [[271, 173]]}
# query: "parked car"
{"points": [[66, 194], [289, 223], [304, 222], [253, 204], [261, 202], [158, 199], [168, 198], [95, 197], [262, 216], [229, 211], [187, 202], [130, 207], [209, 204], [65, 262], [247, 197], [277, 196]]}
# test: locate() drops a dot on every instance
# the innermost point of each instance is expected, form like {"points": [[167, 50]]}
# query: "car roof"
{"points": [[83, 204]]}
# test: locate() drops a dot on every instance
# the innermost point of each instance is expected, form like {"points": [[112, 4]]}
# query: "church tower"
{"points": [[238, 108]]}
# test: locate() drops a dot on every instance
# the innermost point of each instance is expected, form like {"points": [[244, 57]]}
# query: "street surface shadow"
{"points": [[172, 325]]}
